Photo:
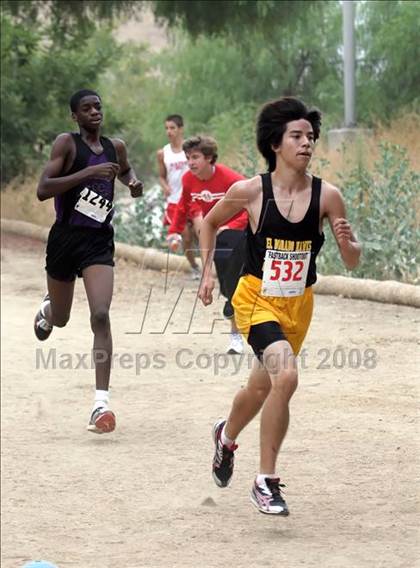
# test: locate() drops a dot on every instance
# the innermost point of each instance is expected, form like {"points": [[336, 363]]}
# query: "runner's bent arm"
{"points": [[181, 212], [51, 184], [236, 199], [163, 174], [350, 248], [126, 174]]}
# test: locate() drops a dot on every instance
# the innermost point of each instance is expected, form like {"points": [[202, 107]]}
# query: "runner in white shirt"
{"points": [[172, 164]]}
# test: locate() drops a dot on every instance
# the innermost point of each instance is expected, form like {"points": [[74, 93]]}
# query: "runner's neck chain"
{"points": [[290, 209]]}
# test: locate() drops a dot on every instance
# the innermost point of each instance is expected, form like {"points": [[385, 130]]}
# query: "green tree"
{"points": [[71, 19], [37, 79], [220, 16], [198, 16], [17, 49], [217, 82], [389, 52]]}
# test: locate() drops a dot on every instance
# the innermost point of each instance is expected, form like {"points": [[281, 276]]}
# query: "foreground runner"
{"points": [[172, 164], [80, 176], [202, 187], [273, 300]]}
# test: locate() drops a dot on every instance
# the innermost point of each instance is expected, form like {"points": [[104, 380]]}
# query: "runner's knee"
{"points": [[286, 382], [260, 393], [99, 319]]}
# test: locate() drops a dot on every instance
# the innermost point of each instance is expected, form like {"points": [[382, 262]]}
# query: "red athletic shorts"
{"points": [[169, 215]]}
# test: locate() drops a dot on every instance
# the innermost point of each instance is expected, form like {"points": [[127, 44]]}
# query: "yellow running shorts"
{"points": [[292, 314]]}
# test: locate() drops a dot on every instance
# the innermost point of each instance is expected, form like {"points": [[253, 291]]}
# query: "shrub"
{"points": [[139, 221], [381, 205]]}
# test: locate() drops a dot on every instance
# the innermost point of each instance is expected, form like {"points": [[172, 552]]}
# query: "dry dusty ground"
{"points": [[143, 497]]}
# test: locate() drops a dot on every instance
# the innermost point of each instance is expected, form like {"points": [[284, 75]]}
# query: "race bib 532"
{"points": [[285, 273]]}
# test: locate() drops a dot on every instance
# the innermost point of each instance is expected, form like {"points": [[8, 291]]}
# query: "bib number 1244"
{"points": [[93, 205]]}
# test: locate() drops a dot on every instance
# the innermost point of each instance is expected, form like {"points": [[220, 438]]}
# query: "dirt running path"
{"points": [[143, 497]]}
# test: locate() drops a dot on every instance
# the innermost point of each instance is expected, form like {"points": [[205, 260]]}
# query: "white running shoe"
{"points": [[42, 327], [236, 346], [268, 497], [195, 273]]}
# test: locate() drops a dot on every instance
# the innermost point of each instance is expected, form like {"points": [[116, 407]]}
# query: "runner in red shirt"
{"points": [[202, 187]]}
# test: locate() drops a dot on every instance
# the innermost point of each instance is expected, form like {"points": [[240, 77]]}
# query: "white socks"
{"points": [[101, 399], [262, 476], [225, 440]]}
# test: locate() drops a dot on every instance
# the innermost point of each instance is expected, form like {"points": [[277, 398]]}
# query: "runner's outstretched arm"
{"points": [[163, 174]]}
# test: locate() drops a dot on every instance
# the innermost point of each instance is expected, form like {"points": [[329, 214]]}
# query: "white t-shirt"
{"points": [[176, 166]]}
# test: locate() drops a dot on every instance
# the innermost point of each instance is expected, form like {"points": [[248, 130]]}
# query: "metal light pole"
{"points": [[348, 133], [349, 64]]}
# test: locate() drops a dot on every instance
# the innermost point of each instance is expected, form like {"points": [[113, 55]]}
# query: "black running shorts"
{"points": [[70, 249], [264, 334], [229, 260]]}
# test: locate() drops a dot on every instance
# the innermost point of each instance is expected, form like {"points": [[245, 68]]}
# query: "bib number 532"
{"points": [[286, 270], [285, 273]]}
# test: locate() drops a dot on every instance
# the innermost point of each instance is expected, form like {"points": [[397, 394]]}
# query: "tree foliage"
{"points": [[76, 17], [218, 82], [225, 58], [69, 19], [389, 52], [37, 80], [235, 16]]}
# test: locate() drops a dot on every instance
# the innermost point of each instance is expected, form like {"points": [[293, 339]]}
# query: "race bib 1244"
{"points": [[285, 273], [93, 205]]}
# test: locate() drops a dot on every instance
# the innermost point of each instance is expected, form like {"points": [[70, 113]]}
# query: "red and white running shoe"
{"points": [[268, 498], [224, 457], [102, 421]]}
